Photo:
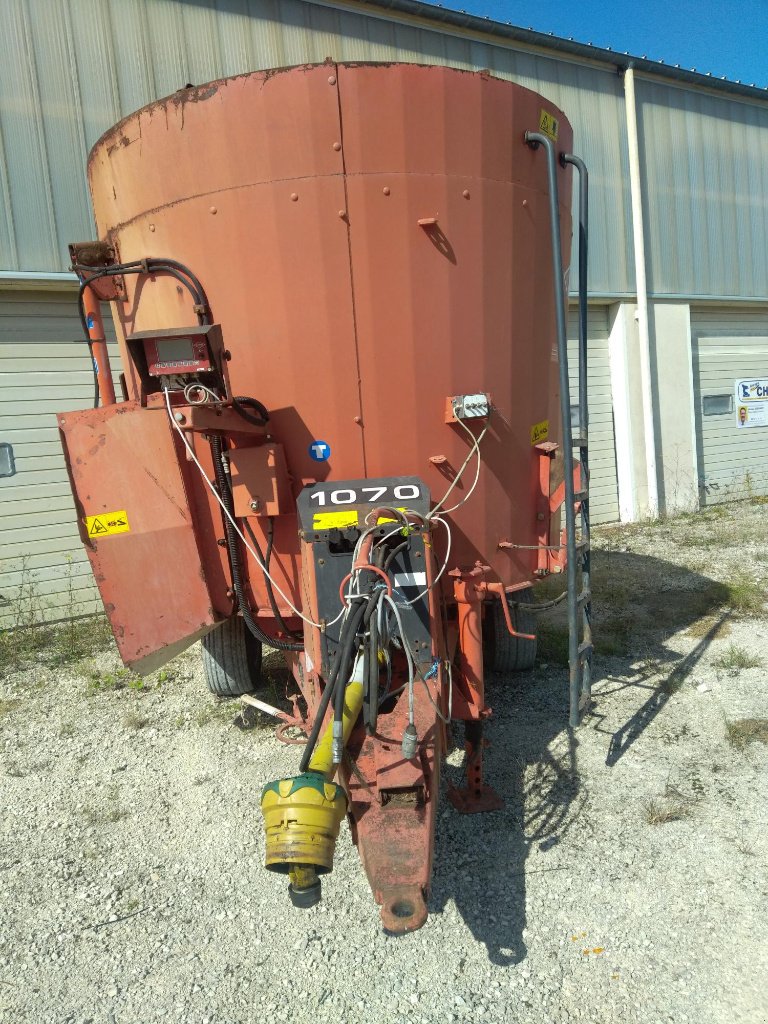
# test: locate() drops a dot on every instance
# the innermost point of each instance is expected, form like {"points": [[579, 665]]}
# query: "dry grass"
{"points": [[710, 625], [134, 720], [743, 731], [7, 705], [658, 813]]}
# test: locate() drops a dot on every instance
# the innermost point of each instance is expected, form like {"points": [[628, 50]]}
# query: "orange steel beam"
{"points": [[98, 346]]}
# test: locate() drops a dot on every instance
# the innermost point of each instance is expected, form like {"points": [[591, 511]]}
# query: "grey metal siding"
{"points": [[604, 495], [728, 345], [705, 192], [42, 372], [69, 69]]}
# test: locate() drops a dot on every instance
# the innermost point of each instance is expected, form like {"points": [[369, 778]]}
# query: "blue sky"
{"points": [[728, 38]]}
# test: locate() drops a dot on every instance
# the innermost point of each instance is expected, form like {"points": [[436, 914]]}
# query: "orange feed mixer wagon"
{"points": [[339, 294]]}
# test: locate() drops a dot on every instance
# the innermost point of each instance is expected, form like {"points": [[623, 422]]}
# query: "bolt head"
{"points": [[255, 505]]}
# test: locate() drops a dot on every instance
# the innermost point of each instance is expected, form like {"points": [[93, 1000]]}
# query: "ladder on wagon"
{"points": [[579, 594]]}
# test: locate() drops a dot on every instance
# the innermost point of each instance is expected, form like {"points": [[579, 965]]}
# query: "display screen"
{"points": [[179, 351]]}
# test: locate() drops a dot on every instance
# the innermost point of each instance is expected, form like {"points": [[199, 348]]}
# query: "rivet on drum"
{"points": [[294, 197], [213, 209], [465, 193], [332, 80], [385, 191], [337, 146], [151, 227]]}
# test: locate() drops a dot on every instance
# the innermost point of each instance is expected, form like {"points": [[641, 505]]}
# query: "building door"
{"points": [[730, 380]]}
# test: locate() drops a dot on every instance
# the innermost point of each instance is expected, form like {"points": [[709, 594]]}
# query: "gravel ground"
{"points": [[131, 843]]}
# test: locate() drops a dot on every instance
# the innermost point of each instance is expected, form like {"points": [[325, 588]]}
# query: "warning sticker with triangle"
{"points": [[106, 523], [548, 124]]}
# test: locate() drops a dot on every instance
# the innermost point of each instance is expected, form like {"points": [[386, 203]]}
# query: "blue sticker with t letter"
{"points": [[320, 451]]}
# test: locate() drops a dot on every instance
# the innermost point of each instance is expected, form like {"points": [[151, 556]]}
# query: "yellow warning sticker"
{"points": [[548, 124], [540, 432], [329, 520], [339, 520], [106, 523]]}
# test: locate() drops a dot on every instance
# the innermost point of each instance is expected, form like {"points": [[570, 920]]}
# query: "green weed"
{"points": [[745, 595], [734, 657], [102, 682]]}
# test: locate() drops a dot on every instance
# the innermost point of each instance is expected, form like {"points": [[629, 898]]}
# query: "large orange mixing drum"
{"points": [[372, 240]]}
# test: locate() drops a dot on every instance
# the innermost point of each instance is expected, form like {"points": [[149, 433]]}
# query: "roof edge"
{"points": [[549, 41]]}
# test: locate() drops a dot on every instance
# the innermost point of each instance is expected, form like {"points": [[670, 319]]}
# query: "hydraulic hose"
{"points": [[239, 404], [217, 449], [335, 680], [265, 560]]}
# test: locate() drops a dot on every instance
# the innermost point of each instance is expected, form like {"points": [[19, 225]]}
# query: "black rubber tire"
{"points": [[231, 659], [504, 652]]}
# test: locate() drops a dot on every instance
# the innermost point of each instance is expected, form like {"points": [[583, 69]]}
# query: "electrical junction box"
{"points": [[467, 407], [261, 485]]}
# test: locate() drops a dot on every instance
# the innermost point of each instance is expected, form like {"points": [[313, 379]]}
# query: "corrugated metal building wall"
{"points": [[69, 69]]}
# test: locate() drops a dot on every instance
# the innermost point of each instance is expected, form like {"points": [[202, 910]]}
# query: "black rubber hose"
{"points": [[345, 661], [335, 681], [239, 403], [372, 687], [166, 261], [394, 553], [265, 560], [217, 449]]}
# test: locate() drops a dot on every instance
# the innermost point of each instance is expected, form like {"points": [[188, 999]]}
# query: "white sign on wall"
{"points": [[752, 402]]}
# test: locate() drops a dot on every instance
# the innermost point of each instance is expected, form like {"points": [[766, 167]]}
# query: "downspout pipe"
{"points": [[641, 285]]}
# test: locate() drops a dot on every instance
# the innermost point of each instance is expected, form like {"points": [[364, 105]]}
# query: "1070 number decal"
{"points": [[365, 495]]}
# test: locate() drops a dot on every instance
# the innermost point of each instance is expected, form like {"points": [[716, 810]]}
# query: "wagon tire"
{"points": [[231, 659], [504, 652]]}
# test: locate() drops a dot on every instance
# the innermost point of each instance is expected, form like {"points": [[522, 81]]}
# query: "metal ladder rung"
{"points": [[585, 648], [580, 442], [584, 597], [582, 545], [580, 495]]}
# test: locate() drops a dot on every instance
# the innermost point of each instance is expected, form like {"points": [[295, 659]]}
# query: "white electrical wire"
{"points": [[475, 450], [241, 535], [408, 656], [443, 567], [206, 393]]}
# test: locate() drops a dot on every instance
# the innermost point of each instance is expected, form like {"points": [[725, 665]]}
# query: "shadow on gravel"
{"points": [[480, 860]]}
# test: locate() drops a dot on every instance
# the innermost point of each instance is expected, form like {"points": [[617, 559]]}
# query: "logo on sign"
{"points": [[753, 389], [320, 451]]}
